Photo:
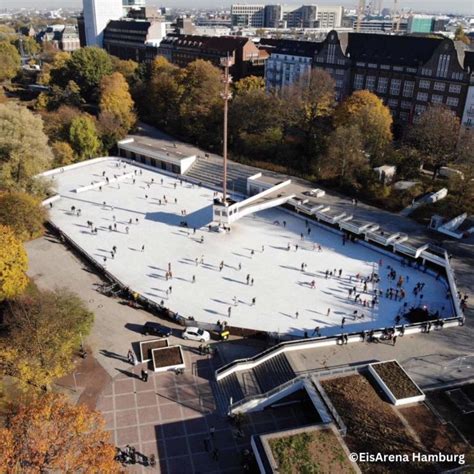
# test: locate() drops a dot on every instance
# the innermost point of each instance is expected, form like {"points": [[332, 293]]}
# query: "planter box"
{"points": [[396, 383], [167, 358], [146, 347]]}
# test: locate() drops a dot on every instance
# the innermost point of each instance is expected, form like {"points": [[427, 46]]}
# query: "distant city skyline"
{"points": [[465, 7]]}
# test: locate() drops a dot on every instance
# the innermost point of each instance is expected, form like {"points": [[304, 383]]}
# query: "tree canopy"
{"points": [[24, 150], [23, 214], [13, 264], [44, 330], [367, 111], [10, 61], [50, 434], [116, 107], [437, 149], [83, 137]]}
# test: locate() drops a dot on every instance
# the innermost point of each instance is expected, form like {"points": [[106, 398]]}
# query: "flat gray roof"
{"points": [[144, 145]]}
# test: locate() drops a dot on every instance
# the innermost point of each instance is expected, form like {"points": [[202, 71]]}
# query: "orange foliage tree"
{"points": [[52, 435]]}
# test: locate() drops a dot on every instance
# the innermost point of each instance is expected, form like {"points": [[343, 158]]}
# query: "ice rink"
{"points": [[284, 298]]}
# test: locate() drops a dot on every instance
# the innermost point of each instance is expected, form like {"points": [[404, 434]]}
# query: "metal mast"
{"points": [[227, 62]]}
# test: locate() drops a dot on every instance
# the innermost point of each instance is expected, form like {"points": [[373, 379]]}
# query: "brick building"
{"points": [[183, 49], [407, 72]]}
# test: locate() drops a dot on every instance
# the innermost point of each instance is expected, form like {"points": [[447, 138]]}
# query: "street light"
{"points": [[226, 62]]}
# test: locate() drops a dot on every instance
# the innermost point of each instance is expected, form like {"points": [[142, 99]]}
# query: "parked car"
{"points": [[155, 329], [196, 334]]}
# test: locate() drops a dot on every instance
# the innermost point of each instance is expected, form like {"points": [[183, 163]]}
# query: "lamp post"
{"points": [[226, 62]]}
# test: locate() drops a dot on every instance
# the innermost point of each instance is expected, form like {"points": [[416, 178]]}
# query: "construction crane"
{"points": [[360, 14], [396, 17]]}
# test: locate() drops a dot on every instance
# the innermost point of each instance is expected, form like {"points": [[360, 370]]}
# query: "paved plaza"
{"points": [[141, 217]]}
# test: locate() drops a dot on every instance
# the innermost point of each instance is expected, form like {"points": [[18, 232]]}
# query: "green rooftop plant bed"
{"points": [[396, 380], [311, 452]]}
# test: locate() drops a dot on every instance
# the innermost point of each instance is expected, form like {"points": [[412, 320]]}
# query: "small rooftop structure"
{"points": [[153, 153], [386, 173]]}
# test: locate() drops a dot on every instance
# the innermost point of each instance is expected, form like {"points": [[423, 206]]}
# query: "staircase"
{"points": [[209, 172], [252, 383]]}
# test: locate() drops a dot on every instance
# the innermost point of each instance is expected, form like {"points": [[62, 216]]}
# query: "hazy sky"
{"points": [[435, 6]]}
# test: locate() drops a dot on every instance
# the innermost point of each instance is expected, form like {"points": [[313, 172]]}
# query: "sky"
{"points": [[433, 6]]}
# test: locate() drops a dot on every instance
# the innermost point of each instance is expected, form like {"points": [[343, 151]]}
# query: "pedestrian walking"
{"points": [[143, 248], [328, 312], [229, 311], [215, 454], [254, 301], [144, 375], [130, 357], [251, 282], [297, 315], [212, 431], [194, 279], [394, 339], [240, 266], [342, 322]]}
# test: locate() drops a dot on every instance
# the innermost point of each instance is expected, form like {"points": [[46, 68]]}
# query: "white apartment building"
{"points": [[281, 70], [329, 16], [97, 13], [252, 15], [468, 114]]}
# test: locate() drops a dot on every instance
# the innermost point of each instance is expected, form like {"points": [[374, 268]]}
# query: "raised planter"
{"points": [[167, 358], [396, 383], [146, 347]]}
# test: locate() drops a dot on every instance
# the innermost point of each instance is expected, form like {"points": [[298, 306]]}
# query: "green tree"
{"points": [[43, 331], [63, 154], [13, 264], [86, 66], [10, 61], [83, 137], [23, 214], [24, 150], [58, 122], [30, 46], [128, 68], [437, 149], [368, 112]]}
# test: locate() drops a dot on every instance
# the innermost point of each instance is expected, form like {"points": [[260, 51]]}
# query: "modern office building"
{"points": [[407, 72], [96, 14], [128, 39], [129, 5], [420, 24], [286, 16]]}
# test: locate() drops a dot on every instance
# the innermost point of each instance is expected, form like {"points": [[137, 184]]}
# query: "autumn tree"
{"points": [[436, 148], [201, 103], [83, 137], [51, 434], [58, 122], [10, 61], [367, 111], [23, 213], [460, 35], [255, 124], [249, 83], [24, 150], [44, 330], [13, 264], [29, 45], [116, 107], [345, 156], [165, 91], [63, 154], [127, 67], [310, 104]]}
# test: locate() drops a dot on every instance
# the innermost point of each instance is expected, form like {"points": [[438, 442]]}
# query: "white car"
{"points": [[196, 334]]}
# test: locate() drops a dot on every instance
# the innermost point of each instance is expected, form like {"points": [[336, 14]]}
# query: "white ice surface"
{"points": [[281, 289]]}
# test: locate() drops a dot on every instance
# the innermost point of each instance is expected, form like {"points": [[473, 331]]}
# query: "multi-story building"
{"points": [[420, 24], [96, 15], [129, 5], [329, 16], [289, 61], [381, 25], [468, 114], [248, 59], [68, 38], [251, 15], [407, 72], [128, 39]]}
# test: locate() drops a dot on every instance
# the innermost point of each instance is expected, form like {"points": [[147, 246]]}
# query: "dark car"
{"points": [[155, 329]]}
